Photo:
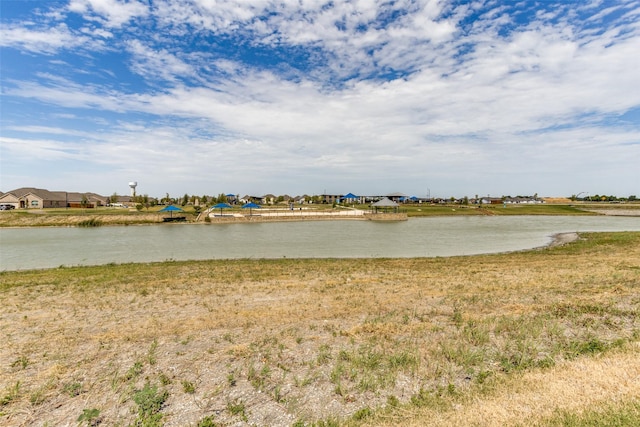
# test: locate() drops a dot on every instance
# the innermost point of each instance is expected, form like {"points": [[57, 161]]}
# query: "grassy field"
{"points": [[548, 337], [438, 210]]}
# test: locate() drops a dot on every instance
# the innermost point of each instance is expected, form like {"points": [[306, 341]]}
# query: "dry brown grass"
{"points": [[532, 398], [72, 218], [485, 340]]}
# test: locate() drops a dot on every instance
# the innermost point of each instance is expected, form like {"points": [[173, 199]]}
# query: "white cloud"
{"points": [[153, 64], [44, 149], [44, 40], [111, 13]]}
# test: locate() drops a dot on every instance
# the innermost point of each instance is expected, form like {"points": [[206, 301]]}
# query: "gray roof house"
{"points": [[38, 198]]}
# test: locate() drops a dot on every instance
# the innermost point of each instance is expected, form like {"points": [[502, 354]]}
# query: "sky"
{"points": [[432, 98]]}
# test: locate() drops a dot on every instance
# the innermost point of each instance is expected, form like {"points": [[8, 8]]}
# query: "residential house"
{"points": [[331, 198], [38, 198]]}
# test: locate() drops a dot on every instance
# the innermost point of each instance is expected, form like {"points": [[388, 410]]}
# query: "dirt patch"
{"points": [[616, 212], [563, 238]]}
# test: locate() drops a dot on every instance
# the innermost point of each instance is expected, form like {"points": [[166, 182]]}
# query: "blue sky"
{"points": [[447, 98]]}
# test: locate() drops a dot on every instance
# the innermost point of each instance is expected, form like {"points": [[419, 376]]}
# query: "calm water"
{"points": [[420, 237]]}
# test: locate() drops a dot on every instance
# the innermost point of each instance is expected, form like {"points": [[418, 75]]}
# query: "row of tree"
{"points": [[144, 201], [603, 198]]}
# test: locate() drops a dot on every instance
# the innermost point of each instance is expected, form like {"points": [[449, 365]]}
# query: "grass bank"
{"points": [[495, 210], [506, 339], [76, 218]]}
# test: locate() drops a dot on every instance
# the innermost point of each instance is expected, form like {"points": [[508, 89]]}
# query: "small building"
{"points": [[396, 197], [385, 205]]}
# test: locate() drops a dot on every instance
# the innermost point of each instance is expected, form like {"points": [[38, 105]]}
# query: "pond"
{"points": [[27, 248]]}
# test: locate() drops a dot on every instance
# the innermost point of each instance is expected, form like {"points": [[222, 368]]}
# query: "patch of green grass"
{"points": [[152, 353], [134, 371], [626, 414], [237, 407], [72, 389], [258, 379], [433, 400], [207, 421], [590, 346], [362, 413], [149, 400], [188, 387], [21, 362], [38, 396], [11, 394], [324, 355], [164, 379], [90, 417]]}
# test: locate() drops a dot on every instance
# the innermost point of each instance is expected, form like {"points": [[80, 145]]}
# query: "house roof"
{"points": [[38, 192], [55, 195]]}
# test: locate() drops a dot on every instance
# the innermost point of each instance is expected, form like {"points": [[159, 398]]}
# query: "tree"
{"points": [[185, 199], [113, 198]]}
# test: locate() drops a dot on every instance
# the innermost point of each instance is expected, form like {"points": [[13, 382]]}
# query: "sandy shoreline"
{"points": [[615, 212], [563, 238]]}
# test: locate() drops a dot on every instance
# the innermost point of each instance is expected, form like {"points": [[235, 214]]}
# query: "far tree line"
{"points": [[603, 198], [199, 202]]}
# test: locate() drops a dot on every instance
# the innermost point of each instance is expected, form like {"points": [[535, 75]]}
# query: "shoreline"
{"points": [[560, 239]]}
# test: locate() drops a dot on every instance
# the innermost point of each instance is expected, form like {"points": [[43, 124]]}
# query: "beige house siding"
{"points": [[41, 200], [10, 198], [36, 198]]}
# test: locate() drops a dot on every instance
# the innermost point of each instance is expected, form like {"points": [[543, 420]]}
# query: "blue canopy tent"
{"points": [[350, 197], [171, 209], [251, 206], [221, 206]]}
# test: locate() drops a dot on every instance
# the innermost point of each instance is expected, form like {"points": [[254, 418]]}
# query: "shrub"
{"points": [[91, 222], [149, 401]]}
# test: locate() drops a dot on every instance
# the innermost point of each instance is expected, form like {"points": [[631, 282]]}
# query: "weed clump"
{"points": [[91, 222], [149, 401]]}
